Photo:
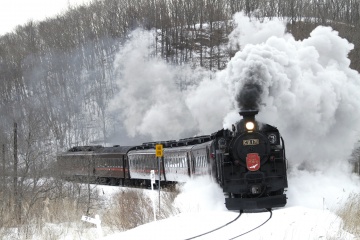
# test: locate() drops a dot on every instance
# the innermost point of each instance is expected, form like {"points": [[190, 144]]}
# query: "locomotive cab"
{"points": [[254, 166]]}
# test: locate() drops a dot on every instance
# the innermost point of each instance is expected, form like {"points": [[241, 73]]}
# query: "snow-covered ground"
{"points": [[202, 210], [287, 223]]}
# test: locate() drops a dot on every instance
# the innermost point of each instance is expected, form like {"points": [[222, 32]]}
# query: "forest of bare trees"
{"points": [[57, 74]]}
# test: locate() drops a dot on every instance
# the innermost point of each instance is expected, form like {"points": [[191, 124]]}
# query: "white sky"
{"points": [[18, 12]]}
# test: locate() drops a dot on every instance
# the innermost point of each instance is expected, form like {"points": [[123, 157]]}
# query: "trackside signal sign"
{"points": [[159, 150]]}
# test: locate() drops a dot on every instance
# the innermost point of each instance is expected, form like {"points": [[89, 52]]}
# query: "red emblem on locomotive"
{"points": [[253, 161]]}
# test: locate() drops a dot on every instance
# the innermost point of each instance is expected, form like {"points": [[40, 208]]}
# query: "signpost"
{"points": [[159, 150], [159, 153], [152, 177]]}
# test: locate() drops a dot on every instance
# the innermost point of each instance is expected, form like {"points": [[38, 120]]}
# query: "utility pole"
{"points": [[3, 165], [16, 190]]}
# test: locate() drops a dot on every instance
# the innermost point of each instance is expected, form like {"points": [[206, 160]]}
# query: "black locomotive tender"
{"points": [[248, 162]]}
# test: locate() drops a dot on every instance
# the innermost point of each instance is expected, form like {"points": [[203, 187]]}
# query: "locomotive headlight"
{"points": [[250, 126]]}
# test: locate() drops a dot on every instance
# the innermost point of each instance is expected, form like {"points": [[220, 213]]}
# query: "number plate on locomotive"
{"points": [[248, 142]]}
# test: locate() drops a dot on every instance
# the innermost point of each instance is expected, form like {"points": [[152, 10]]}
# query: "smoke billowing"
{"points": [[249, 97], [305, 88]]}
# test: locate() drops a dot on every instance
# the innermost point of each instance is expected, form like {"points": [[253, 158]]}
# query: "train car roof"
{"points": [[114, 149], [90, 150], [170, 149]]}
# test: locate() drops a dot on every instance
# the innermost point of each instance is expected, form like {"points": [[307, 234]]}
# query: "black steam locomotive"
{"points": [[248, 162]]}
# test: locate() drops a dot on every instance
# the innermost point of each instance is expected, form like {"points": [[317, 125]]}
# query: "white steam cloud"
{"points": [[149, 100], [308, 91], [151, 103]]}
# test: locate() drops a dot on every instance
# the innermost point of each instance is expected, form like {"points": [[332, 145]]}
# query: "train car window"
{"points": [[106, 162], [111, 162]]}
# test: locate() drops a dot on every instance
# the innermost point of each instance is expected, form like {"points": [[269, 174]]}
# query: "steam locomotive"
{"points": [[248, 162]]}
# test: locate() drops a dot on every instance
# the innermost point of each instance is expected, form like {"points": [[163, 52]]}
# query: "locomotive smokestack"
{"points": [[248, 122], [248, 115]]}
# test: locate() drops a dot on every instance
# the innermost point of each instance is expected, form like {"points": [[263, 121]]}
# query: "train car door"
{"points": [[191, 164]]}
